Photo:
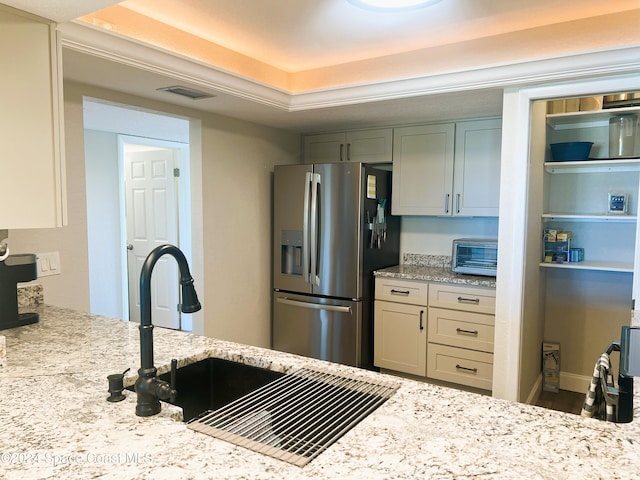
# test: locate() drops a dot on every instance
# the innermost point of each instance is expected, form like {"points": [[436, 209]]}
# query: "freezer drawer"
{"points": [[322, 328]]}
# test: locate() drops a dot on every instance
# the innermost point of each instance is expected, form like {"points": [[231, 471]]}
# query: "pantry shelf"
{"points": [[595, 166], [624, 267], [589, 217], [586, 118]]}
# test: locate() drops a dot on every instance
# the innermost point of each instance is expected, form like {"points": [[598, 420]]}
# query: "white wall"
{"points": [[434, 235], [103, 223], [237, 165], [532, 334], [238, 225]]}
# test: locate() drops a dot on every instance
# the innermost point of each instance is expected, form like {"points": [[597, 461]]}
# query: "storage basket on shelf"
{"points": [[570, 151]]}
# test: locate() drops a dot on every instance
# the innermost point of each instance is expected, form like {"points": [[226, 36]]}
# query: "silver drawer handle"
{"points": [[315, 306], [462, 331], [474, 301], [466, 369], [400, 292]]}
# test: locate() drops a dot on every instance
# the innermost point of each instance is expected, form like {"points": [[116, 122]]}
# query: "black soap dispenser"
{"points": [[116, 386]]}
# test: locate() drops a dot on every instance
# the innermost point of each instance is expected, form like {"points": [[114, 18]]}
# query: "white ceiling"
{"points": [[59, 10], [299, 35], [305, 34]]}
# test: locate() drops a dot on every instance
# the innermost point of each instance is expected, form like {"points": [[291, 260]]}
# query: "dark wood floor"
{"points": [[564, 401]]}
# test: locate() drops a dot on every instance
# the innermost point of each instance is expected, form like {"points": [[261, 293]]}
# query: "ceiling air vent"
{"points": [[186, 92]]}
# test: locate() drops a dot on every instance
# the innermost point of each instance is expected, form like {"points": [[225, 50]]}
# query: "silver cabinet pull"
{"points": [[462, 331], [348, 152], [421, 315], [457, 203], [342, 152], [400, 292], [129, 247], [474, 301], [446, 203], [467, 369]]}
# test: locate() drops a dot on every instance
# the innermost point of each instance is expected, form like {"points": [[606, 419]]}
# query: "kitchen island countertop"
{"points": [[56, 422]]}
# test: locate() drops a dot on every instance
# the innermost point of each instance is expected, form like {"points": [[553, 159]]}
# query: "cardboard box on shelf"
{"points": [[563, 236]]}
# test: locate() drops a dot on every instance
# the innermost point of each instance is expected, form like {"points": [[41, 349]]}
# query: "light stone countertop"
{"points": [[56, 422], [441, 274]]}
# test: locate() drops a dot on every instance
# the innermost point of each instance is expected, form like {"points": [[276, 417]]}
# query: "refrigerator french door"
{"points": [[324, 255]]}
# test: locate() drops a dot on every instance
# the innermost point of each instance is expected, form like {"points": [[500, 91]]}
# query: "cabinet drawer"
{"points": [[457, 365], [403, 291], [458, 297], [461, 329]]}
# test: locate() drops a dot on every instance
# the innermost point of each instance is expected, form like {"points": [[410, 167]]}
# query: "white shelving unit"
{"points": [[582, 305], [576, 193]]}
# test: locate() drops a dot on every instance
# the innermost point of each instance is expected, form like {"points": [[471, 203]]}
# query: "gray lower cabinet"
{"points": [[435, 330], [400, 326]]}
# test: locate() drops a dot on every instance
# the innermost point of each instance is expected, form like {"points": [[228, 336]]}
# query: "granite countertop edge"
{"points": [[434, 274], [57, 422]]}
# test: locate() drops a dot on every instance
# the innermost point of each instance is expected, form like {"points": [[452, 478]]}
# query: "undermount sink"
{"points": [[292, 417], [213, 382]]}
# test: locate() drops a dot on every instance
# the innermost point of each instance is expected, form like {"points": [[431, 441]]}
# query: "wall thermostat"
{"points": [[618, 203]]}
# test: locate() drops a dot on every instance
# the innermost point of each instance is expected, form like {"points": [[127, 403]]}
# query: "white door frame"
{"points": [[184, 206], [514, 187]]}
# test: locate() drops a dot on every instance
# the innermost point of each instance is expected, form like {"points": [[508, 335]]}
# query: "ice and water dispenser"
{"points": [[291, 256]]}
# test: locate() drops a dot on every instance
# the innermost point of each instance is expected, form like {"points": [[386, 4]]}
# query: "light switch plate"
{"points": [[48, 264]]}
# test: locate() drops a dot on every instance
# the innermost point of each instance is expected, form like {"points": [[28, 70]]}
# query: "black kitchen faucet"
{"points": [[150, 389]]}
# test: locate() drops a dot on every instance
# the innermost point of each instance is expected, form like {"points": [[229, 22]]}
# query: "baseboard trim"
{"points": [[532, 399], [568, 381], [574, 383]]}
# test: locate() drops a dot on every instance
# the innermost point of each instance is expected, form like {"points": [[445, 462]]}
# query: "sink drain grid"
{"points": [[297, 416]]}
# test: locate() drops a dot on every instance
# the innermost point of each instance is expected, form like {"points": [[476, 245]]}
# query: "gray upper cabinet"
{"points": [[423, 170], [367, 146], [450, 169], [476, 174], [31, 134]]}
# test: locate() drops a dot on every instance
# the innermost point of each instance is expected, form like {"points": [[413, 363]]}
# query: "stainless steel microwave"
{"points": [[475, 256]]}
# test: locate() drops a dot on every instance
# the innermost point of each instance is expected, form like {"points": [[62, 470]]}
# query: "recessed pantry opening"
{"points": [[585, 244]]}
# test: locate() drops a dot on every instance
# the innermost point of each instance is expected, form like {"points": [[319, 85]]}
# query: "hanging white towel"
{"points": [[598, 403]]}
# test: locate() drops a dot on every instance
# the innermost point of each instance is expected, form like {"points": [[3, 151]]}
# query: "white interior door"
{"points": [[151, 211]]}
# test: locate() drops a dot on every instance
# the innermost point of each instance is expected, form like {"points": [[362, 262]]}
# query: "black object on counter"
{"points": [[116, 386], [629, 367], [13, 270]]}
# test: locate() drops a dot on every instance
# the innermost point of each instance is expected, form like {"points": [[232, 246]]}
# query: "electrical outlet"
{"points": [[48, 264]]}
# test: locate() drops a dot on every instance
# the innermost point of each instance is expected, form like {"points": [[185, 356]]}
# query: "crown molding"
{"points": [[616, 61], [124, 50]]}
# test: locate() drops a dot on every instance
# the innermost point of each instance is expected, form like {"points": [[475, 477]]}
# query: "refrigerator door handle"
{"points": [[306, 271], [315, 306], [315, 278]]}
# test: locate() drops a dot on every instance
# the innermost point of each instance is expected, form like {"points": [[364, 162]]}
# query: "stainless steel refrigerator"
{"points": [[332, 228]]}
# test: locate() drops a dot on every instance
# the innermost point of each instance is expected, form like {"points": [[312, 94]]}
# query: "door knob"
{"points": [[129, 247]]}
